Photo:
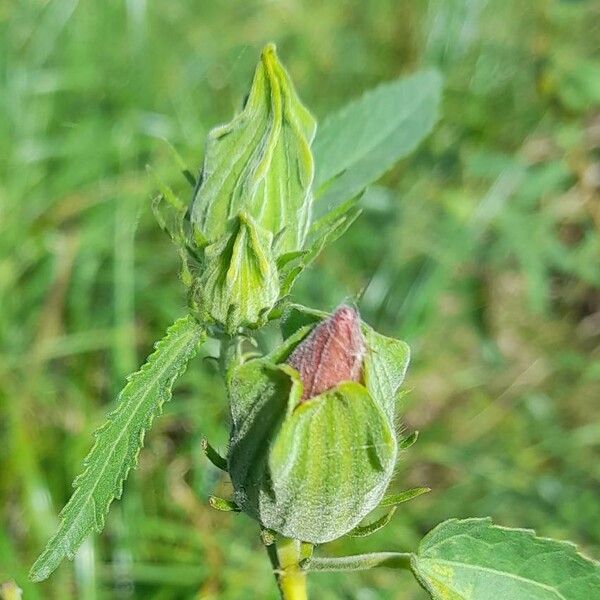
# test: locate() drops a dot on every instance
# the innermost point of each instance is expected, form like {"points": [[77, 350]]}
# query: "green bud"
{"points": [[238, 280], [261, 163], [247, 234], [313, 468], [252, 205]]}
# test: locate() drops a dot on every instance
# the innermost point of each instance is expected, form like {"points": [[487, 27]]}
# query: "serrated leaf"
{"points": [[360, 142], [118, 442], [476, 560]]}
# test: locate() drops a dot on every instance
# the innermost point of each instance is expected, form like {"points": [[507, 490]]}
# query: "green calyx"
{"points": [[313, 470], [238, 280], [261, 162], [253, 202]]}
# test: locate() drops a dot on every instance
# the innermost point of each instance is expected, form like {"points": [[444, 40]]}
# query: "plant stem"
{"points": [[290, 576]]}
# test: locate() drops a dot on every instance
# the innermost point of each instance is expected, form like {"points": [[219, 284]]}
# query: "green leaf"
{"points": [[261, 162], [118, 443], [359, 143], [358, 562], [476, 560]]}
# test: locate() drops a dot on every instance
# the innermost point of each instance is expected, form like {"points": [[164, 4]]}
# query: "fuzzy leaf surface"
{"points": [[356, 145], [473, 559], [118, 443]]}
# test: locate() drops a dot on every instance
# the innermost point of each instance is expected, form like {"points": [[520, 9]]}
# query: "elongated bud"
{"points": [[253, 201], [260, 162], [248, 232], [331, 354]]}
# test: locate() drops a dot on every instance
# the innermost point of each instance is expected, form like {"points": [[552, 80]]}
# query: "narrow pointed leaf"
{"points": [[473, 559], [215, 458], [405, 496], [356, 145], [118, 443], [409, 441], [183, 168]]}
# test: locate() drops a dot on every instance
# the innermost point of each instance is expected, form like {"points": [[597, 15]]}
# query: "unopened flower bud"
{"points": [[331, 354], [313, 444], [253, 201]]}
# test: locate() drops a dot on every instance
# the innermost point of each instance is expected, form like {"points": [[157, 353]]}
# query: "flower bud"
{"points": [[332, 353], [260, 163], [313, 444], [252, 204]]}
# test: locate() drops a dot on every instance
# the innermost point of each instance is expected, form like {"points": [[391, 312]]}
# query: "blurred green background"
{"points": [[481, 250]]}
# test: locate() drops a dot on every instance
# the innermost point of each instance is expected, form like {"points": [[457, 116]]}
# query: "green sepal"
{"points": [[261, 163], [322, 233], [384, 369], [223, 505], [213, 456], [330, 464], [237, 284], [373, 527]]}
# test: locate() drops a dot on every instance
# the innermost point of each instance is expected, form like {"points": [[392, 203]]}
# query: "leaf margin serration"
{"points": [[66, 541]]}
